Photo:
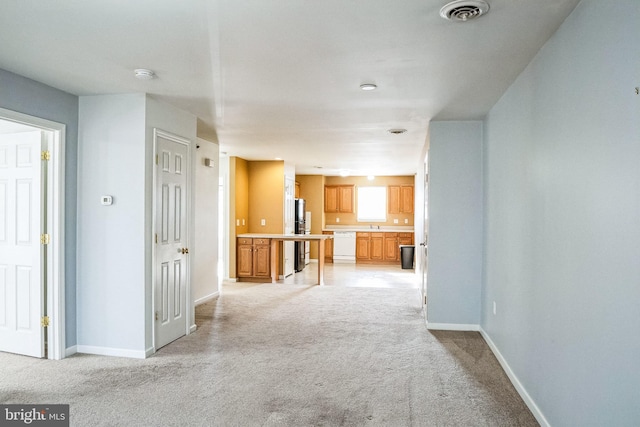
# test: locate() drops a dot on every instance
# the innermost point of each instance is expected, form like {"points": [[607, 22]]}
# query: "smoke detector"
{"points": [[464, 10]]}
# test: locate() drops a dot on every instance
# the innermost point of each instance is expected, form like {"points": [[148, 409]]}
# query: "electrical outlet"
{"points": [[263, 222], [406, 220], [237, 223], [494, 308], [242, 221], [395, 220], [337, 219]]}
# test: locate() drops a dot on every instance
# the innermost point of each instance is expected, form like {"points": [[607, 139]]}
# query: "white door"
{"points": [[171, 215], [422, 248], [21, 222]]}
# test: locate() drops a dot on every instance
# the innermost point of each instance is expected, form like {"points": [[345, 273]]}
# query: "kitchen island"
{"points": [[275, 240]]}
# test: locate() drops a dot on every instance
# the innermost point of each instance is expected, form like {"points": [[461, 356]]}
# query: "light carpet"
{"points": [[286, 355]]}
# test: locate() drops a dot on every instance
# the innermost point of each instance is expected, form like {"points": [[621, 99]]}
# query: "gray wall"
{"points": [[26, 96], [562, 220], [454, 274]]}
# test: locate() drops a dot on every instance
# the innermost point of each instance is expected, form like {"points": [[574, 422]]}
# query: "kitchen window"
{"points": [[372, 204]]}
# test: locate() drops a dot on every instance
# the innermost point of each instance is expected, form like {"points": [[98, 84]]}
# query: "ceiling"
{"points": [[281, 78]]}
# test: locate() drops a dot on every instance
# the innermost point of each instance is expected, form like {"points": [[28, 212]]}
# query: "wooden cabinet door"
{"points": [[391, 246], [406, 199], [377, 246], [328, 248], [331, 199], [405, 238], [245, 260], [345, 202], [261, 261], [362, 246], [393, 203]]}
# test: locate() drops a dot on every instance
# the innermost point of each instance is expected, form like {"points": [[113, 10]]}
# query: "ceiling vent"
{"points": [[464, 10]]}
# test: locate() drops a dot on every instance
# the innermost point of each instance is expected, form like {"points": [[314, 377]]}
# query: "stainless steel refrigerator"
{"points": [[299, 228]]}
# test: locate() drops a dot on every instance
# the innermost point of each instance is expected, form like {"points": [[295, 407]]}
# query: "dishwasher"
{"points": [[344, 246]]}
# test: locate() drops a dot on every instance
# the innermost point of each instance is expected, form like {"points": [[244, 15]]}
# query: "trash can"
{"points": [[406, 256]]}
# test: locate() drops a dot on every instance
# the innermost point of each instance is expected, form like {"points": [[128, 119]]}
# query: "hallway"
{"points": [[284, 354]]}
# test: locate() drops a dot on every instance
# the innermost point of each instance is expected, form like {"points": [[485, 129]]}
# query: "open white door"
{"points": [[21, 222], [171, 233]]}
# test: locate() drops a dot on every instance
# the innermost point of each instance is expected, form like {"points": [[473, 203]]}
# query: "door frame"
{"points": [[189, 230], [55, 271]]}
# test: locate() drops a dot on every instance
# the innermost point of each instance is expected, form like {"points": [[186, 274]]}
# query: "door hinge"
{"points": [[45, 239], [45, 155], [156, 238], [44, 321], [156, 315], [425, 300], [157, 159]]}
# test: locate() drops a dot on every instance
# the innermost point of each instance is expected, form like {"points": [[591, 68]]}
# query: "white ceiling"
{"points": [[281, 78]]}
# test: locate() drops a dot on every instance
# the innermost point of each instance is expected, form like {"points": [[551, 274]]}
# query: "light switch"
{"points": [[263, 222], [237, 223]]}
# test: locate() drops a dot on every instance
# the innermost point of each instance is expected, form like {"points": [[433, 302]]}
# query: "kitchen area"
{"points": [[354, 219]]}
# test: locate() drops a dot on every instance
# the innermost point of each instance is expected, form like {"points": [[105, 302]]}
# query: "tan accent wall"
{"points": [[266, 196], [312, 190], [238, 206], [379, 181]]}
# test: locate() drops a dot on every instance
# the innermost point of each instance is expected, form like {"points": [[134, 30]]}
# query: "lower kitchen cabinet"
{"points": [[380, 247], [328, 248], [253, 262]]}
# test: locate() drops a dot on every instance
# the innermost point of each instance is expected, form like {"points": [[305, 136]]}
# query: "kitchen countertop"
{"points": [[366, 228], [285, 236]]}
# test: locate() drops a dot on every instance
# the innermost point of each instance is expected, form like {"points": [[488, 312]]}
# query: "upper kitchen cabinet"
{"points": [[400, 199], [338, 198]]}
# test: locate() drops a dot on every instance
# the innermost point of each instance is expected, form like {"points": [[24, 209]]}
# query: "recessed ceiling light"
{"points": [[397, 131], [344, 173], [278, 158], [368, 86], [371, 177], [144, 74]]}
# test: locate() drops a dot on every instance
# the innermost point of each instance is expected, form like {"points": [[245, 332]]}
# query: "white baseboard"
{"points": [[70, 351], [108, 351], [207, 298], [515, 381], [149, 352], [452, 327], [193, 328]]}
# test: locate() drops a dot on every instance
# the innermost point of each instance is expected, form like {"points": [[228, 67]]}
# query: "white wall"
{"points": [[111, 246], [454, 273], [205, 278], [115, 156], [562, 209]]}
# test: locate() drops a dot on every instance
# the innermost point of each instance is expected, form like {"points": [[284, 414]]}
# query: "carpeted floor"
{"points": [[286, 355]]}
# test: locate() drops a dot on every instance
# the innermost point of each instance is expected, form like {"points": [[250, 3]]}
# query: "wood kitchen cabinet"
{"points": [[328, 248], [400, 199], [254, 259], [338, 198], [381, 247], [391, 247], [369, 246], [363, 241]]}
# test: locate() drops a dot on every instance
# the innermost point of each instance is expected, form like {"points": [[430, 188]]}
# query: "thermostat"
{"points": [[106, 200]]}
